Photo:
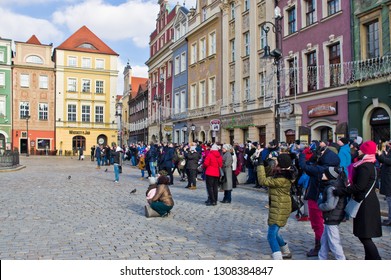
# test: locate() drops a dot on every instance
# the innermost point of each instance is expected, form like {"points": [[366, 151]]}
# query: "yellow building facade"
{"points": [[86, 90]]}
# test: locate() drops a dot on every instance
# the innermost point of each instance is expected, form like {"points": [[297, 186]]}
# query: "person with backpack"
{"points": [[333, 213]]}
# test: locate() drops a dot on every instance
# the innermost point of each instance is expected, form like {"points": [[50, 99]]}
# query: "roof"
{"points": [[136, 82], [84, 40], [33, 40]]}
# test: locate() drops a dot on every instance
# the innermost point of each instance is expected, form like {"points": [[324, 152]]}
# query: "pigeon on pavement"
{"points": [[69, 177], [133, 191]]}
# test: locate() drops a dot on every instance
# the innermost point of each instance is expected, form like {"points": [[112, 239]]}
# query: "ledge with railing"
{"points": [[9, 159]]}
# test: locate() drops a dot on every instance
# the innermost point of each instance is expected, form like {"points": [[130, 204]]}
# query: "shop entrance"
{"points": [[23, 146], [380, 125]]}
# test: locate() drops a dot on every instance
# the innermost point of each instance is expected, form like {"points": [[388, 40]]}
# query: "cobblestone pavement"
{"points": [[45, 215]]}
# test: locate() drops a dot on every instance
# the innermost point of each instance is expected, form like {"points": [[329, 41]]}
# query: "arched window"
{"points": [[34, 59], [78, 141], [87, 46]]}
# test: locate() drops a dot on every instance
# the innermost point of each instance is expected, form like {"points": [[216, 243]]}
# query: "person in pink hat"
{"points": [[367, 223]]}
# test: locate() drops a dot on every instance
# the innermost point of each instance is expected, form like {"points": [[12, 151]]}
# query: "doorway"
{"points": [[380, 125], [23, 146]]}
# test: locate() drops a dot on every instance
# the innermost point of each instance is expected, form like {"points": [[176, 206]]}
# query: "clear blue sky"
{"points": [[124, 25]]}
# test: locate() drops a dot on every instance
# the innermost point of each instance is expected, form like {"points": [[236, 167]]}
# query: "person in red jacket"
{"points": [[212, 164]]}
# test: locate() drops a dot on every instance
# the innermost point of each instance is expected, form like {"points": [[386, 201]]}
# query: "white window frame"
{"points": [[24, 109], [183, 101], [2, 106], [202, 48], [43, 110], [193, 53], [202, 95], [43, 82], [212, 91], [262, 84], [247, 90], [233, 55], [72, 112], [99, 63], [98, 88], [24, 80], [86, 113], [246, 5], [2, 56], [193, 96], [85, 85], [86, 62], [232, 9], [212, 43], [233, 92], [177, 103], [99, 114], [262, 37], [34, 59], [2, 79], [204, 14], [72, 61], [177, 65], [71, 82], [183, 62], [246, 41]]}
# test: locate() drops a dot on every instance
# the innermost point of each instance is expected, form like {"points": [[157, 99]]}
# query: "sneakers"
{"points": [[115, 181], [192, 188], [386, 223]]}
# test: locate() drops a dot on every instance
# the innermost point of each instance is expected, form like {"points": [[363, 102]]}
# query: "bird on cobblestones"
{"points": [[69, 177], [133, 191], [106, 170]]}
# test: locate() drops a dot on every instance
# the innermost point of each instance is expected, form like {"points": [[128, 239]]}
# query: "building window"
{"points": [[85, 113], [246, 43], [99, 63], [311, 71], [233, 93], [43, 82], [204, 13], [24, 109], [72, 61], [86, 62], [78, 141], [43, 111], [43, 144], [202, 95], [202, 48], [310, 15], [24, 80], [2, 56], [183, 101], [232, 43], [232, 7], [34, 59], [71, 85], [2, 106], [333, 6], [98, 86], [212, 91], [373, 44], [212, 43], [335, 65], [246, 83], [2, 79], [183, 62], [177, 65], [71, 112], [292, 65], [194, 53], [86, 85], [193, 96], [262, 35], [99, 114], [262, 84], [246, 5], [292, 20]]}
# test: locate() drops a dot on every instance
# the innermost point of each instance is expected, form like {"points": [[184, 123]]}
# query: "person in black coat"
{"points": [[192, 158], [167, 161], [367, 223], [384, 157]]}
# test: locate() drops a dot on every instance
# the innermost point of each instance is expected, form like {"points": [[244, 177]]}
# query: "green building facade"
{"points": [[5, 95], [369, 94]]}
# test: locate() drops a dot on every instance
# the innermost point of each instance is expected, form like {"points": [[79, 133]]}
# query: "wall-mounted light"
{"points": [[17, 134]]}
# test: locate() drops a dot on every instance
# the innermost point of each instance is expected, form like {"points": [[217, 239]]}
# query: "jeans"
{"points": [[116, 171], [152, 168], [331, 241], [142, 173], [227, 196], [160, 207], [251, 176], [274, 238], [98, 160], [133, 160]]}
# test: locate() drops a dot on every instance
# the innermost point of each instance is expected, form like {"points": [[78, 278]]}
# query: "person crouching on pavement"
{"points": [[333, 213], [162, 201], [280, 206]]}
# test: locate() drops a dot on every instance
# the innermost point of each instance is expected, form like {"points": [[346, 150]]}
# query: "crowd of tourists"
{"points": [[325, 175]]}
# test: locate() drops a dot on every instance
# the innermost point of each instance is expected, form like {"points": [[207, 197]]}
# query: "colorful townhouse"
{"points": [[33, 98], [369, 93], [315, 71], [86, 90], [5, 95]]}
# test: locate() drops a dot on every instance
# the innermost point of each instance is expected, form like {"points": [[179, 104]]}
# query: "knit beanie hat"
{"points": [[284, 160], [152, 180], [331, 173], [214, 147], [344, 140], [368, 147]]}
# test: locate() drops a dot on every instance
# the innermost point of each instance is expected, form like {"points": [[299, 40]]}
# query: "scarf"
{"points": [[352, 167]]}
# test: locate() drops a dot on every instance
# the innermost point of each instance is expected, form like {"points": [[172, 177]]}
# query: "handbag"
{"points": [[200, 168], [150, 213], [353, 206]]}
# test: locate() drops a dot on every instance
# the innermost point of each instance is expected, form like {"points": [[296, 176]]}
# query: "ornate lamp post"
{"points": [[158, 100], [192, 127], [185, 131], [27, 117], [275, 54]]}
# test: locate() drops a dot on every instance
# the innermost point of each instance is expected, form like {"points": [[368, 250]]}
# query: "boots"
{"points": [[192, 187], [314, 251], [286, 253], [277, 255]]}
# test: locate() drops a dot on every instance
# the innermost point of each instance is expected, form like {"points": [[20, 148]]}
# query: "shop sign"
{"points": [[167, 128], [290, 132], [84, 132], [241, 121], [323, 109], [353, 133], [32, 143], [215, 125], [285, 108]]}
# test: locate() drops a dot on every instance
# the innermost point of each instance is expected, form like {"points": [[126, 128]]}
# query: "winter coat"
{"points": [[385, 175], [227, 167], [345, 157], [212, 164], [333, 207], [315, 171], [280, 204], [152, 154], [192, 159], [168, 157], [367, 223], [163, 194]]}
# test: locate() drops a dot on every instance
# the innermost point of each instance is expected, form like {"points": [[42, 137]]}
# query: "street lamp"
{"points": [[27, 117], [275, 54], [158, 100], [184, 130], [192, 127], [119, 126]]}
